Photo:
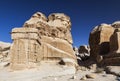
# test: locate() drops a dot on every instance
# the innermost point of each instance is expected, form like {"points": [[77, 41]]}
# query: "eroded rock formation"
{"points": [[99, 40], [113, 57], [4, 51], [104, 43], [42, 39], [84, 52]]}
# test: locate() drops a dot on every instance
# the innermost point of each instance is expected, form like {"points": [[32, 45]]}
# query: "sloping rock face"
{"points": [[43, 39], [99, 41]]}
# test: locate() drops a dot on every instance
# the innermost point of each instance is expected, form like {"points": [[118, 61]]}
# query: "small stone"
{"points": [[92, 76], [74, 77], [83, 78], [55, 79]]}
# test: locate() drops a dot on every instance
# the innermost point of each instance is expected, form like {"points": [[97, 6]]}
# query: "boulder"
{"points": [[115, 70], [83, 78], [92, 76]]}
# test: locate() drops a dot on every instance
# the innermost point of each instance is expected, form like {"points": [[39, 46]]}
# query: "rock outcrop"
{"points": [[99, 41], [42, 39], [84, 52], [113, 57], [4, 51], [104, 43]]}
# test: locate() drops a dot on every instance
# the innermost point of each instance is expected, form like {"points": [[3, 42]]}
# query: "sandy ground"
{"points": [[52, 72]]}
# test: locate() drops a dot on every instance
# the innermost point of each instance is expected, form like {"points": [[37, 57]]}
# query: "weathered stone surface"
{"points": [[84, 49], [84, 52], [92, 76], [99, 41], [33, 21], [115, 43], [104, 43], [116, 24], [43, 39], [4, 51], [113, 58], [25, 50], [75, 50], [58, 25], [83, 78]]}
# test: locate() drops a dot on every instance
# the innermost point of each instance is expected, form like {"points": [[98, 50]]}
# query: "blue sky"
{"points": [[84, 14]]}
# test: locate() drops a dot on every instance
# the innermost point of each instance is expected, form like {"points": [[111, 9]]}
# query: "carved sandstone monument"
{"points": [[104, 44], [42, 39]]}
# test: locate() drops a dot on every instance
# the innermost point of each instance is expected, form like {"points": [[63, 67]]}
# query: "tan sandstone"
{"points": [[42, 39], [99, 41]]}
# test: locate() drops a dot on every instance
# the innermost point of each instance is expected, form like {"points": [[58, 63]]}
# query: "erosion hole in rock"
{"points": [[104, 48]]}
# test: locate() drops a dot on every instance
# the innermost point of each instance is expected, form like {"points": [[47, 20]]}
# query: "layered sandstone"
{"points": [[43, 39]]}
